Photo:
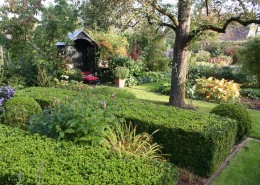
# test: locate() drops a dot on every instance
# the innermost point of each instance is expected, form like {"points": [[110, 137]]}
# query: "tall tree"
{"points": [[101, 14], [190, 18]]}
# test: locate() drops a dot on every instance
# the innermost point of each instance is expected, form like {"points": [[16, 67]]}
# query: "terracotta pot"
{"points": [[120, 83]]}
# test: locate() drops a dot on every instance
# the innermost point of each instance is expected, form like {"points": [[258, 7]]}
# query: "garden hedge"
{"points": [[239, 113], [37, 159], [197, 142], [19, 110]]}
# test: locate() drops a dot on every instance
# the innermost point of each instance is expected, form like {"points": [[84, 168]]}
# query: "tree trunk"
{"points": [[180, 55]]}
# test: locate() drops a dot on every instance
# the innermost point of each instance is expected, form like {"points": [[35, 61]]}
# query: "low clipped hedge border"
{"points": [[66, 163], [44, 96], [198, 142]]}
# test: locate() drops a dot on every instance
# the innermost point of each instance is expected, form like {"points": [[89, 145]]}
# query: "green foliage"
{"points": [[149, 77], [110, 43], [45, 96], [216, 90], [121, 72], [198, 142], [251, 93], [74, 74], [249, 57], [202, 56], [31, 57], [123, 139], [135, 69], [43, 79], [82, 121], [240, 114], [65, 163], [206, 70], [165, 89], [111, 92], [151, 43], [19, 110]]}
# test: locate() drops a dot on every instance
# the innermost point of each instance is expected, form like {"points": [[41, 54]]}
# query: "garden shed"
{"points": [[82, 52]]}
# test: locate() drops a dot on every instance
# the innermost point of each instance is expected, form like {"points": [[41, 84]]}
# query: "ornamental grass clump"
{"points": [[215, 90], [123, 139]]}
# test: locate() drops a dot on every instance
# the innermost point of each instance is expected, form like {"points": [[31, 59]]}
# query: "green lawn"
{"points": [[244, 168]]}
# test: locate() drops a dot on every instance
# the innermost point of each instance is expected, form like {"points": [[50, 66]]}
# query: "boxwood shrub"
{"points": [[44, 96], [19, 110], [42, 160], [197, 142], [238, 112]]}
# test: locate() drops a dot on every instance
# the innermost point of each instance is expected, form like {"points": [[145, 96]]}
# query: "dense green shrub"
{"points": [[251, 93], [240, 114], [45, 161], [19, 110], [165, 88], [74, 74], [206, 70], [197, 142], [149, 77], [44, 96], [135, 68], [80, 120], [202, 56], [249, 57], [121, 72]]}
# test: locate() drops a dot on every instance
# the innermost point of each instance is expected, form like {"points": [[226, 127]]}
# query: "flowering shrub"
{"points": [[213, 89], [6, 93]]}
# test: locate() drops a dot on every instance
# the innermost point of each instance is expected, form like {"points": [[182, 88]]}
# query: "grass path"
{"points": [[244, 168]]}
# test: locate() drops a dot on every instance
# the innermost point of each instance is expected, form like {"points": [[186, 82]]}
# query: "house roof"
{"points": [[76, 35]]}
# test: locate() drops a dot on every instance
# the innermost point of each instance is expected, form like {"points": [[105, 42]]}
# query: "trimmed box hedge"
{"points": [[197, 142], [43, 160]]}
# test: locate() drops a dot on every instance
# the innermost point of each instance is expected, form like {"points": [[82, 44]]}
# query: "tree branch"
{"points": [[207, 7], [222, 29], [165, 12], [168, 25]]}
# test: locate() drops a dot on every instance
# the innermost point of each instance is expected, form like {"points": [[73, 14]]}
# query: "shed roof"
{"points": [[76, 35]]}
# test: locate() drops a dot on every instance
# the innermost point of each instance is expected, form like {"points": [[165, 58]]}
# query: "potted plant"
{"points": [[120, 75]]}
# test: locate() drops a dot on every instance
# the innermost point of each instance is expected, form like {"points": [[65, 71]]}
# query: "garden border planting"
{"points": [[197, 142]]}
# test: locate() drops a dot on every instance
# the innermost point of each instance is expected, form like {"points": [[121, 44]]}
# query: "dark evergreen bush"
{"points": [[19, 110], [240, 114]]}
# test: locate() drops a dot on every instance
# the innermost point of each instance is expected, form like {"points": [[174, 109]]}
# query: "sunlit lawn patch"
{"points": [[244, 168]]}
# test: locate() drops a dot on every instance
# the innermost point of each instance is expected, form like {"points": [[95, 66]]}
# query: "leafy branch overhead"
{"points": [[207, 15]]}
